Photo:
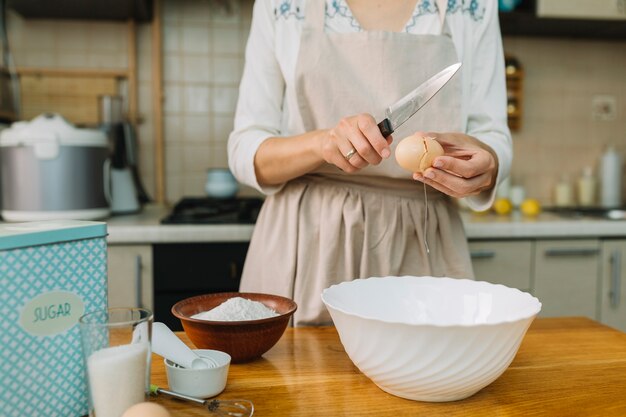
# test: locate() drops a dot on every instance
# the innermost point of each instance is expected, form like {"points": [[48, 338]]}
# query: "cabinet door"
{"points": [[130, 276], [566, 277], [613, 289], [503, 262]]}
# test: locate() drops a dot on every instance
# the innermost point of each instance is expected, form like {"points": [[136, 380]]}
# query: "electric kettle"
{"points": [[125, 191]]}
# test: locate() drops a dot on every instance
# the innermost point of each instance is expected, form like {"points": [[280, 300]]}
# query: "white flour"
{"points": [[237, 309]]}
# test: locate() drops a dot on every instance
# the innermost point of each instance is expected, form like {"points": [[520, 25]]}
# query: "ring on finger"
{"points": [[350, 154]]}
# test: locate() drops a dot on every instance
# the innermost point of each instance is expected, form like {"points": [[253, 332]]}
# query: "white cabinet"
{"points": [[566, 277], [130, 276], [563, 274], [613, 284], [503, 262]]}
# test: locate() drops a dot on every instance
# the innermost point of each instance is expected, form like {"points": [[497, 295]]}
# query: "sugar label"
{"points": [[51, 313]]}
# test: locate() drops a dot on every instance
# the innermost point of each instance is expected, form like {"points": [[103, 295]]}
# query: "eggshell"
{"points": [[416, 153], [146, 410], [433, 150]]}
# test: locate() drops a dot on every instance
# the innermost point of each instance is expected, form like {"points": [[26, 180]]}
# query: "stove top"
{"points": [[204, 210]]}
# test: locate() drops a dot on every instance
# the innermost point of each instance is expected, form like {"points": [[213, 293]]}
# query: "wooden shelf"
{"points": [[117, 10], [515, 94], [527, 24]]}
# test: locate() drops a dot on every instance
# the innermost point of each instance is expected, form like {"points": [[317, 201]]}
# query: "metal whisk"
{"points": [[224, 408]]}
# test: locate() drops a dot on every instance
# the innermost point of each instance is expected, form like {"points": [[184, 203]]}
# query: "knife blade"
{"points": [[407, 106]]}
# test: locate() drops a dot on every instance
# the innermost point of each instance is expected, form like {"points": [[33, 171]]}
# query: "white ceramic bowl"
{"points": [[201, 383], [220, 183], [430, 339]]}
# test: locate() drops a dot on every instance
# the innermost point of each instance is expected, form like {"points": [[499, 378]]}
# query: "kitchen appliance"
{"points": [[51, 272], [402, 110], [186, 269], [124, 186], [202, 210], [53, 170]]}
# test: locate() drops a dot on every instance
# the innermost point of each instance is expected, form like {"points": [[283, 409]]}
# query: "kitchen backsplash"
{"points": [[203, 59], [560, 134]]}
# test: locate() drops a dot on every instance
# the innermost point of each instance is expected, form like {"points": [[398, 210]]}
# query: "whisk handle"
{"points": [[156, 390]]}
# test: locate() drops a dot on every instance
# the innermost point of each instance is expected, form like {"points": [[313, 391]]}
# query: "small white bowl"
{"points": [[201, 383]]}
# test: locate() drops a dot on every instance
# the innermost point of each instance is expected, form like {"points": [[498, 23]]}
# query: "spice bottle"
{"points": [[611, 177], [563, 193], [586, 188]]}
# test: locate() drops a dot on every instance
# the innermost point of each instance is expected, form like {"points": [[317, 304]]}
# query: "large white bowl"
{"points": [[430, 339]]}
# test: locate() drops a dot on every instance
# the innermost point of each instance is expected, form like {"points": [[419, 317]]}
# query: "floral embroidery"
{"points": [[473, 10], [287, 9], [339, 10], [424, 7]]}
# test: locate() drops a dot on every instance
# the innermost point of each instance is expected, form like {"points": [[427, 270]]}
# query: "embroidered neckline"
{"points": [[286, 9]]}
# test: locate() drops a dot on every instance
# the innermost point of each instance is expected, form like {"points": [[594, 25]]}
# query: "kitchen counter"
{"points": [[144, 228], [564, 367]]}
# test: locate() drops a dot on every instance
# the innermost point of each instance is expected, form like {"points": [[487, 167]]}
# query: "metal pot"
{"points": [[53, 170]]}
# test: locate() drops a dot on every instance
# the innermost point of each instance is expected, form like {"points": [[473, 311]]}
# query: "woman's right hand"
{"points": [[354, 143]]}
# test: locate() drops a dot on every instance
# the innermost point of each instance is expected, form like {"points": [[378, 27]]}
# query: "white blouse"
{"points": [[268, 107]]}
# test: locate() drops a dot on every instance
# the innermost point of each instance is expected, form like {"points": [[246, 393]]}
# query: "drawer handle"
{"points": [[616, 268], [233, 270], [138, 270], [482, 254], [571, 252]]}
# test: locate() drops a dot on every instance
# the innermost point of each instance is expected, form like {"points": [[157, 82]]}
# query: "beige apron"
{"points": [[328, 226]]}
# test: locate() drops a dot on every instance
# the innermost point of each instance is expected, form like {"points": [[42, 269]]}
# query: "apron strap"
{"points": [[442, 6], [315, 15]]}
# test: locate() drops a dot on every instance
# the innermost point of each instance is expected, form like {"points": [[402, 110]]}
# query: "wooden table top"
{"points": [[564, 367]]}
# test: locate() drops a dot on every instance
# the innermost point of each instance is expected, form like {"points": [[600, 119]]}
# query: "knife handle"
{"points": [[385, 128]]}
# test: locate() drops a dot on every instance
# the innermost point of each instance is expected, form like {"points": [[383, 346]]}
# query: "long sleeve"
{"points": [[261, 92], [487, 118]]}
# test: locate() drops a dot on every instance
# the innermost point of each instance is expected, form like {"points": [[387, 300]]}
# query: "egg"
{"points": [[415, 153], [146, 410]]}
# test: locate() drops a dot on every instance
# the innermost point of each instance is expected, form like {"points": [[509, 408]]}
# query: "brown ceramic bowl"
{"points": [[242, 340]]}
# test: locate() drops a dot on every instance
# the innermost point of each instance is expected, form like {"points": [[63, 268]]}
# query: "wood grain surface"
{"points": [[565, 367]]}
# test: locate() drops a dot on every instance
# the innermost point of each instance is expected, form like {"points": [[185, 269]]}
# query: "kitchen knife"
{"points": [[407, 106]]}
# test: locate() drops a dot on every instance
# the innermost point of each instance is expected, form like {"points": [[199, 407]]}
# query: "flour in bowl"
{"points": [[237, 309]]}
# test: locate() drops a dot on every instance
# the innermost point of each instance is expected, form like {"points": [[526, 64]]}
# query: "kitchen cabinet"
{"points": [[503, 262], [139, 10], [563, 274], [613, 287], [130, 276], [524, 21], [566, 277]]}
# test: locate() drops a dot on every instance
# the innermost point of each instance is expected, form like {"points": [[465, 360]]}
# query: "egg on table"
{"points": [[416, 153], [146, 410]]}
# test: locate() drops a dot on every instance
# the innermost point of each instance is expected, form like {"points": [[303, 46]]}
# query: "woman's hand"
{"points": [[354, 143], [468, 166]]}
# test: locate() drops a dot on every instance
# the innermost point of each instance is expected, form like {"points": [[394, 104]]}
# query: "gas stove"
{"points": [[204, 210]]}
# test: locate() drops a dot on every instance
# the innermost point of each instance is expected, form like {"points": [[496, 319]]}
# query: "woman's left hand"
{"points": [[468, 166]]}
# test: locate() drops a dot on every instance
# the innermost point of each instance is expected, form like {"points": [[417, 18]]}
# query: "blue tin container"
{"points": [[50, 274]]}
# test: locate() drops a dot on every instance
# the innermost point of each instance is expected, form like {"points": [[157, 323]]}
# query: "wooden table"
{"points": [[565, 367]]}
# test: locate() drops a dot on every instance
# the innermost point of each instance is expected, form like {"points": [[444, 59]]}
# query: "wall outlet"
{"points": [[603, 108]]}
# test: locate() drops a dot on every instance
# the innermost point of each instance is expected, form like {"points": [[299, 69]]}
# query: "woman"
{"points": [[318, 76]]}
